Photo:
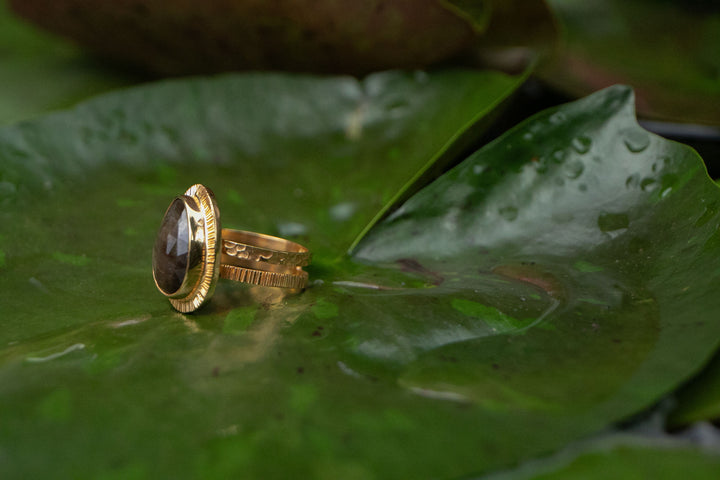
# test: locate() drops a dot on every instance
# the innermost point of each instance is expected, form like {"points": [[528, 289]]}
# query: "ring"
{"points": [[190, 242]]}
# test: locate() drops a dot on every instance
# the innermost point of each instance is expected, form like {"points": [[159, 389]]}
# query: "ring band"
{"points": [[265, 279], [192, 251], [262, 249], [263, 259]]}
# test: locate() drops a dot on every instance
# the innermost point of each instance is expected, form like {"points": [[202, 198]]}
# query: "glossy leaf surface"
{"points": [[519, 302], [83, 193], [623, 457], [700, 399]]}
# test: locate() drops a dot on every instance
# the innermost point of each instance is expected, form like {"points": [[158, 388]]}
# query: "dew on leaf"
{"points": [[636, 140], [633, 181], [648, 184], [291, 229], [581, 144], [509, 213], [557, 118], [558, 156], [574, 169], [342, 211], [54, 356]]}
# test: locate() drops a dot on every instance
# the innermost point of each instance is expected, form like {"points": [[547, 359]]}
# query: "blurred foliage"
{"points": [[39, 72], [669, 51]]}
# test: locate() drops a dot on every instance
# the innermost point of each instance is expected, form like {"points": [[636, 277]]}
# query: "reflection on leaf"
{"points": [[511, 306]]}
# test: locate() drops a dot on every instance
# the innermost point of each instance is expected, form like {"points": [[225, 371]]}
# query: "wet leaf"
{"points": [[521, 301], [567, 205], [88, 344], [622, 456], [699, 400]]}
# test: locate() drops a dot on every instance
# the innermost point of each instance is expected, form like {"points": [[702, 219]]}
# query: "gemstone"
{"points": [[170, 254]]}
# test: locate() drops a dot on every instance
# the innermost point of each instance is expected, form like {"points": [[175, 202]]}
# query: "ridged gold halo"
{"points": [[193, 220]]}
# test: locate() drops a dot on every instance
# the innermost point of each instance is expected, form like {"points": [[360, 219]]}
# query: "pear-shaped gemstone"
{"points": [[170, 254]]}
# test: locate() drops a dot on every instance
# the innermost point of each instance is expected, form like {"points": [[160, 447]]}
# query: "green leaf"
{"points": [[699, 400], [486, 321], [666, 50], [39, 72], [569, 204], [90, 347], [622, 456]]}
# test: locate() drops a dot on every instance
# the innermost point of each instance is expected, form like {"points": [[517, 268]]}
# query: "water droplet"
{"points": [[610, 222], [291, 229], [636, 140], [557, 118], [581, 144], [478, 169], [55, 355], [574, 169], [666, 192], [648, 184], [527, 136], [342, 211], [508, 213], [633, 181], [558, 156]]}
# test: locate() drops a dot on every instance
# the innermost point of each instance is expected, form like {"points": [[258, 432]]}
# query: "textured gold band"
{"points": [[264, 278], [246, 251]]}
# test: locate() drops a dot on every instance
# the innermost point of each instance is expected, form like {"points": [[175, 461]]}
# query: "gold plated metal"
{"points": [[200, 219], [192, 251]]}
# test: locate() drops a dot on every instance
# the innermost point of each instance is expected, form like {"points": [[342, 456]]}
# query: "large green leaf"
{"points": [[521, 301], [82, 195], [623, 457], [618, 228], [700, 399]]}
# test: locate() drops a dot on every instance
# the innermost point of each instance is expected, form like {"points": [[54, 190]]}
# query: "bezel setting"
{"points": [[202, 269]]}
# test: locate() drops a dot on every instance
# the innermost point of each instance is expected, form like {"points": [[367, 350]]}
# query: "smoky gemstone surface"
{"points": [[170, 254]]}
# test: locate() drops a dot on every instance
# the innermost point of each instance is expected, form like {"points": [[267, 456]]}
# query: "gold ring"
{"points": [[190, 242]]}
